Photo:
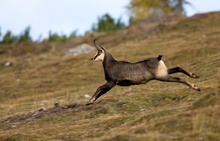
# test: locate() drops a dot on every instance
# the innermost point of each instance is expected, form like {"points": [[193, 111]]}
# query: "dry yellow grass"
{"points": [[156, 111]]}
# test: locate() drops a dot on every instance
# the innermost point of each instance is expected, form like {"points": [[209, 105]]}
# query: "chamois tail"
{"points": [[159, 57]]}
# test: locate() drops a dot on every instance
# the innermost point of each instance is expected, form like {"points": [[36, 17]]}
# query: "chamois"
{"points": [[124, 73]]}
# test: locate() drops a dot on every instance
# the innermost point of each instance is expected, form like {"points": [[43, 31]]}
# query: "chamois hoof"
{"points": [[88, 103], [196, 88], [194, 75]]}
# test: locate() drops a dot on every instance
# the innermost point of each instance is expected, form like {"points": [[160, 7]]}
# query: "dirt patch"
{"points": [[42, 112]]}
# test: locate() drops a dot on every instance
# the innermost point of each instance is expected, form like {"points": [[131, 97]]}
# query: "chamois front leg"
{"points": [[100, 91], [178, 69]]}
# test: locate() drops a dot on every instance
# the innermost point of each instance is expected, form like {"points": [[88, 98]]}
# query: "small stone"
{"points": [[87, 96], [57, 104], [41, 109], [8, 63], [13, 126]]}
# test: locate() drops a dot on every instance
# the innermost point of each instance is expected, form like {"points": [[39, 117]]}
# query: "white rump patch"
{"points": [[162, 69]]}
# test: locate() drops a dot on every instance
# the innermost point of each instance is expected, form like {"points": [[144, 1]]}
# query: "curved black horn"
{"points": [[97, 45]]}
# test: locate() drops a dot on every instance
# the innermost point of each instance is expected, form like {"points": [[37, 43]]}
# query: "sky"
{"points": [[66, 16]]}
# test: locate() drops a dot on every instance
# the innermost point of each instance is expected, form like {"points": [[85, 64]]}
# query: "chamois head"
{"points": [[99, 56]]}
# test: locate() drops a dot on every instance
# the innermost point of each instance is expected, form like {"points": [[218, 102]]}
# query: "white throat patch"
{"points": [[99, 56]]}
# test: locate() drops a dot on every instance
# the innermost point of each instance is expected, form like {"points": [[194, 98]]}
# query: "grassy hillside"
{"points": [[39, 77]]}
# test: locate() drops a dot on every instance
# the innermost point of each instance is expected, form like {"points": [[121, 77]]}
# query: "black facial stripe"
{"points": [[98, 53]]}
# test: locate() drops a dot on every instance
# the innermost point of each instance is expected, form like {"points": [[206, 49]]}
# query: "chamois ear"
{"points": [[98, 47]]}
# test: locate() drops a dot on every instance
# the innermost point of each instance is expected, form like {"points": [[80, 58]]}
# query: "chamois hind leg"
{"points": [[100, 91], [178, 69], [178, 80]]}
